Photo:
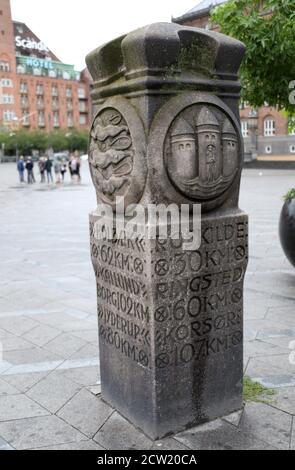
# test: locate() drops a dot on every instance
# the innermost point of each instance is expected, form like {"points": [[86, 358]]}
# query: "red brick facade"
{"points": [[37, 102]]}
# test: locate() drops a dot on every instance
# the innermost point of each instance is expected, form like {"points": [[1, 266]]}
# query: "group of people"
{"points": [[45, 166]]}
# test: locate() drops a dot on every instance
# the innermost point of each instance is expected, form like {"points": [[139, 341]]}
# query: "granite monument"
{"points": [[170, 319]]}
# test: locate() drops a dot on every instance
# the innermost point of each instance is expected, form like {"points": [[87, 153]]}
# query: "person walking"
{"points": [[29, 168], [63, 170], [78, 170], [73, 163], [48, 169], [57, 171], [69, 165], [41, 165], [21, 169]]}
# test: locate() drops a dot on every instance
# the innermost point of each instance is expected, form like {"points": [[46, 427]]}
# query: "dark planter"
{"points": [[287, 230]]}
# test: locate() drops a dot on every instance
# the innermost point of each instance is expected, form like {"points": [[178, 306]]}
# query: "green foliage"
{"points": [[254, 391], [290, 195], [27, 141], [78, 140], [269, 36], [58, 141]]}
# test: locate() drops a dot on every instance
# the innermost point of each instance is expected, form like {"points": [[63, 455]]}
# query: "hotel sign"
{"points": [[39, 63], [28, 43]]}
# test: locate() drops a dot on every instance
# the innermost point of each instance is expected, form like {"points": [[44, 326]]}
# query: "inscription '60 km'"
{"points": [[116, 259]]}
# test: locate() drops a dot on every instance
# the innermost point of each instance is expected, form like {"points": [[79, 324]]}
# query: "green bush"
{"points": [[25, 142]]}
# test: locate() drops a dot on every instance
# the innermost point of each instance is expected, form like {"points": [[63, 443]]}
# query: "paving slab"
{"points": [[86, 412], [44, 431], [118, 434]]}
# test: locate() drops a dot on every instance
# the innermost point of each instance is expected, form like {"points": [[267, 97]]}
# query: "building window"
{"points": [[54, 91], [291, 126], [41, 119], [26, 118], [268, 149], [6, 83], [7, 99], [9, 116], [24, 87], [82, 120], [269, 127], [24, 102], [245, 130], [292, 148], [39, 89], [52, 73], [20, 69], [70, 120], [81, 93], [55, 103], [4, 66], [69, 93], [82, 107], [40, 103], [55, 119]]}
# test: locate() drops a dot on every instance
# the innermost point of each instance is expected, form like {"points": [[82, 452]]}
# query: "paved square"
{"points": [[49, 375]]}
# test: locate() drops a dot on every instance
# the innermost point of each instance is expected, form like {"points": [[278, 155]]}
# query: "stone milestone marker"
{"points": [[167, 131]]}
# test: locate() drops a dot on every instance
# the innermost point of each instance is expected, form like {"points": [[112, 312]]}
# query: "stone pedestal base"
{"points": [[171, 325]]}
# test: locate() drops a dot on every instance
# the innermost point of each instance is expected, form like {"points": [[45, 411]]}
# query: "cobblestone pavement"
{"points": [[49, 375]]}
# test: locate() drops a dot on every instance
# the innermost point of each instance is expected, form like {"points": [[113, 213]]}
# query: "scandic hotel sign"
{"points": [[31, 44]]}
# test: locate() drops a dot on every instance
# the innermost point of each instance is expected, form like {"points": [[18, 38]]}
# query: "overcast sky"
{"points": [[72, 28]]}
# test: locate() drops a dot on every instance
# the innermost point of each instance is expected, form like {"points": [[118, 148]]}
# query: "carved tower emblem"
{"points": [[202, 151]]}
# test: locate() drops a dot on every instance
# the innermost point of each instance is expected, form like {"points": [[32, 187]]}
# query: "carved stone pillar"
{"points": [[167, 131]]}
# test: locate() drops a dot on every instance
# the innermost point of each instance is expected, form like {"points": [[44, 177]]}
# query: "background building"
{"points": [[268, 126], [37, 90]]}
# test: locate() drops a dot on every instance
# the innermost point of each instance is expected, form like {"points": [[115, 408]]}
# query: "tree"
{"points": [[269, 35], [58, 141], [78, 140]]}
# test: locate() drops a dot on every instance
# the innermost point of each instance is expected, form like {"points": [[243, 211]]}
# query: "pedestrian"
{"points": [[73, 163], [30, 170], [70, 166], [57, 171], [41, 165], [48, 169], [21, 169], [63, 170], [78, 171]]}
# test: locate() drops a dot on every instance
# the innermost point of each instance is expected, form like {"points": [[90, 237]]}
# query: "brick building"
{"points": [[273, 141], [37, 90]]}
